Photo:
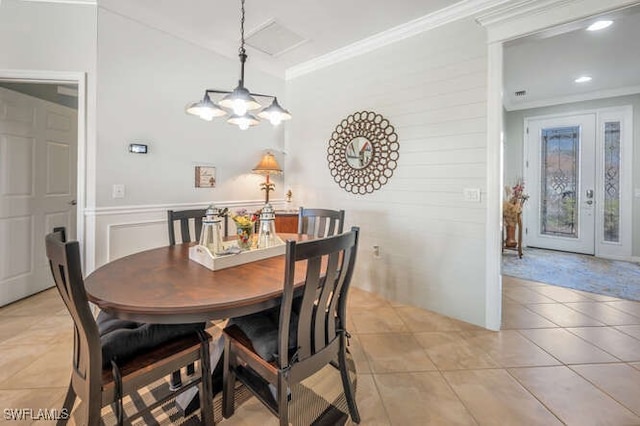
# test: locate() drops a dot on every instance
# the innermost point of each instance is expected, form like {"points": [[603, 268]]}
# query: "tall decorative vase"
{"points": [[244, 237]]}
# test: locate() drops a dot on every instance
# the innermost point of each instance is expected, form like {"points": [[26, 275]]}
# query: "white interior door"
{"points": [[38, 179], [560, 174]]}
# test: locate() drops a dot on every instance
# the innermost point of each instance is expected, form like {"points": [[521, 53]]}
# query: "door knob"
{"points": [[73, 202]]}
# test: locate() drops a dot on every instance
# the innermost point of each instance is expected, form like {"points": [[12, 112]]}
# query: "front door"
{"points": [[38, 169], [560, 174]]}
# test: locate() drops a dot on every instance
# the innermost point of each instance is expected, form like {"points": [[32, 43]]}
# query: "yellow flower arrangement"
{"points": [[243, 219]]}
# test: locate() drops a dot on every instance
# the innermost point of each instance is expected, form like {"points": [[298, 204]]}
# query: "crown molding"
{"points": [[455, 12], [517, 9], [525, 17], [600, 94]]}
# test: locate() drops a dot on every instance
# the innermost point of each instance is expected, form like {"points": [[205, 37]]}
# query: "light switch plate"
{"points": [[637, 192], [472, 195], [118, 191]]}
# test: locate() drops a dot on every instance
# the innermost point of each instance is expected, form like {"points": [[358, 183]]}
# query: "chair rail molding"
{"points": [[153, 208]]}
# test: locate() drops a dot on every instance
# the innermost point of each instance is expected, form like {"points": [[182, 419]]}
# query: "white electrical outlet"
{"points": [[637, 192], [118, 191], [472, 195]]}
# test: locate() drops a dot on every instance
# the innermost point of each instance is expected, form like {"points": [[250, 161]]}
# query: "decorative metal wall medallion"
{"points": [[363, 152]]}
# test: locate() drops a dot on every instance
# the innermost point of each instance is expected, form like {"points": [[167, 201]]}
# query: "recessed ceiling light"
{"points": [[599, 25], [583, 79]]}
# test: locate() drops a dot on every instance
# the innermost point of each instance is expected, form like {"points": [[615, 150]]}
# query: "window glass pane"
{"points": [[559, 209], [612, 181]]}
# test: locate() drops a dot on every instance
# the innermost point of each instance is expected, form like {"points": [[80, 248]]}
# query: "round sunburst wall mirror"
{"points": [[363, 152]]}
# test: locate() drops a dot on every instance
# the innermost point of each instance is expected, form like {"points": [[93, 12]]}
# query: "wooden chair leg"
{"points": [[94, 411], [283, 400], [206, 387], [346, 382], [176, 381], [228, 382], [67, 405]]}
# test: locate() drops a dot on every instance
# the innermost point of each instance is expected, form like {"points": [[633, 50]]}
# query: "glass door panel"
{"points": [[612, 181], [560, 181], [560, 176]]}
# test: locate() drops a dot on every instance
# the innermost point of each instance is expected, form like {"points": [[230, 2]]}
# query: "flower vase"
{"points": [[244, 237], [511, 235]]}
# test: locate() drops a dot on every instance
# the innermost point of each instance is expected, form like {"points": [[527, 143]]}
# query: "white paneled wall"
{"points": [[432, 88]]}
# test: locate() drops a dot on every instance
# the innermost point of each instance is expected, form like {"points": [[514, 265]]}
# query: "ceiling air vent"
{"points": [[274, 39], [521, 93]]}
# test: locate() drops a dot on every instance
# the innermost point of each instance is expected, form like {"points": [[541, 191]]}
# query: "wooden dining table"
{"points": [[164, 286]]}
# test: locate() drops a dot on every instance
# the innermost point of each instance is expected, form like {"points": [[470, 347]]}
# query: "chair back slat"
{"points": [[305, 321], [323, 314], [339, 305], [185, 217], [329, 265], [64, 262], [320, 223]]}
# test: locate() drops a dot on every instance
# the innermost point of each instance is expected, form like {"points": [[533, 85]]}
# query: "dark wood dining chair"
{"points": [[320, 222], [307, 338], [185, 217], [98, 381]]}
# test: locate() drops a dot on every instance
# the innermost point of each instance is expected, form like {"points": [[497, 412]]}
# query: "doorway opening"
{"points": [[571, 116], [42, 136]]}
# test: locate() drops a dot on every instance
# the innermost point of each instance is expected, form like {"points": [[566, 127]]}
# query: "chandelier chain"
{"points": [[241, 50]]}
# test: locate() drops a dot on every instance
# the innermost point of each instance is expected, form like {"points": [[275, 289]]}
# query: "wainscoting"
{"points": [[121, 231]]}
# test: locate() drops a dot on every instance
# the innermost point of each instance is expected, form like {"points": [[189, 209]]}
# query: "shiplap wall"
{"points": [[433, 89]]}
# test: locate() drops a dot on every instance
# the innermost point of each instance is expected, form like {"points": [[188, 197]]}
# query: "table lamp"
{"points": [[267, 165]]}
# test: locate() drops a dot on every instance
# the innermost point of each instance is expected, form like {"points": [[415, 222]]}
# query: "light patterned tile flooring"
{"points": [[563, 357]]}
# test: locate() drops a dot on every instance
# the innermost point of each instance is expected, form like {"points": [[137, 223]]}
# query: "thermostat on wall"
{"points": [[138, 148]]}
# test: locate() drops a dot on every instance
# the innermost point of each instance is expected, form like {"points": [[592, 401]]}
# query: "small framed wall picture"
{"points": [[205, 177]]}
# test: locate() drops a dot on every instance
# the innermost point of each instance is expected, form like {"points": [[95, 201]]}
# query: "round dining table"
{"points": [[164, 286]]}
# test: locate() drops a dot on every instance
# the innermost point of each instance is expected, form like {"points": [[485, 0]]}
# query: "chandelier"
{"points": [[240, 101]]}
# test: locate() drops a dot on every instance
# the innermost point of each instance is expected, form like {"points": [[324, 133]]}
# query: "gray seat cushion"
{"points": [[261, 329], [122, 340]]}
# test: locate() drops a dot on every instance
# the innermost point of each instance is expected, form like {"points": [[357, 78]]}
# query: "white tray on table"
{"points": [[204, 257]]}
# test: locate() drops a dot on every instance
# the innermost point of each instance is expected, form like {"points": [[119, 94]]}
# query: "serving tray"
{"points": [[204, 257]]}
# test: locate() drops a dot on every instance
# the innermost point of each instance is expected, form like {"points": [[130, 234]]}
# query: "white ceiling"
{"points": [[546, 64], [327, 25]]}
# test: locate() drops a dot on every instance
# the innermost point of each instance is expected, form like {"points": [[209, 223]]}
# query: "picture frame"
{"points": [[205, 177]]}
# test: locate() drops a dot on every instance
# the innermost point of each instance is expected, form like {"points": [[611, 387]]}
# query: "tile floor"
{"points": [[563, 357]]}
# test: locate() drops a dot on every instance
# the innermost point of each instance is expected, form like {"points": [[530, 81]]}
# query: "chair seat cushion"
{"points": [[261, 329], [121, 340], [108, 323]]}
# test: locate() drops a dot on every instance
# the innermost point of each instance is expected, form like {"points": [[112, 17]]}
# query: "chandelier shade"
{"points": [[239, 101], [275, 113], [243, 121], [205, 109]]}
